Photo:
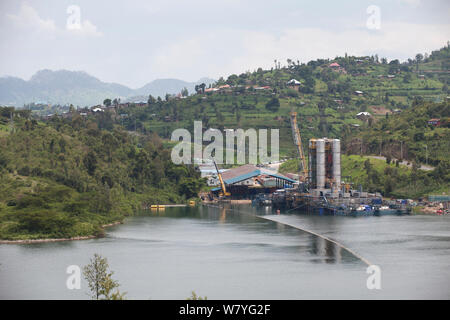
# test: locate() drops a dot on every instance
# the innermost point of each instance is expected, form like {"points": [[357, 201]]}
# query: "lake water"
{"points": [[234, 254]]}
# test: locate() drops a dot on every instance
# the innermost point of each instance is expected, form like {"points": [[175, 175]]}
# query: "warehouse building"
{"points": [[245, 181]]}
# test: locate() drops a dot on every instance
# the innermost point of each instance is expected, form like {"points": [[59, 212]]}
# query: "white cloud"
{"points": [[222, 53], [189, 40], [28, 18], [397, 40], [177, 53], [412, 3], [86, 29]]}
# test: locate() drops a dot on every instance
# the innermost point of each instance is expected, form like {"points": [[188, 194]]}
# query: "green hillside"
{"points": [[66, 178], [407, 135], [326, 100], [68, 175]]}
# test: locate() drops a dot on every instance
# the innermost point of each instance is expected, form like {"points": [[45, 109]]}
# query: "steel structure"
{"points": [[298, 142], [222, 184]]}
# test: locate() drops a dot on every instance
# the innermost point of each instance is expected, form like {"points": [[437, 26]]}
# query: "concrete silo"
{"points": [[324, 163], [337, 162], [320, 149]]}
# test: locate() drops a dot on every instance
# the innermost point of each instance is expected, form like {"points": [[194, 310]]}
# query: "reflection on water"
{"points": [[246, 217], [230, 253], [329, 251], [223, 215], [322, 247]]}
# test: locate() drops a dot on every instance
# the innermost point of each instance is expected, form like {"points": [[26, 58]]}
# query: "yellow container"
{"points": [[192, 203]]}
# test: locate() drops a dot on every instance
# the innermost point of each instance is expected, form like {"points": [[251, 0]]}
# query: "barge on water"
{"points": [[353, 203]]}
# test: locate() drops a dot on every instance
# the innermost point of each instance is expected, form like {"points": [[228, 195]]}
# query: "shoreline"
{"points": [[31, 241]]}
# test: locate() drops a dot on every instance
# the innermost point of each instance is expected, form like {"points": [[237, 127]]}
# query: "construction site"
{"points": [[320, 188]]}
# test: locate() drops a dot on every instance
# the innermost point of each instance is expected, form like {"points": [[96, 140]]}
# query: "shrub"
{"points": [[37, 172], [3, 161], [273, 104], [24, 171], [45, 222]]}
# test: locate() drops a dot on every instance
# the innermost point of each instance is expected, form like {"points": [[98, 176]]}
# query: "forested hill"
{"points": [[66, 178], [67, 175]]}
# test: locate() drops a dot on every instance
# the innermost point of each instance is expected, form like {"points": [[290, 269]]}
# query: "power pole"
{"points": [[360, 152], [11, 122], [401, 150]]}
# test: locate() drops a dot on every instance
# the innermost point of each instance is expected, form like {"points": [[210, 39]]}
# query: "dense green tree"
{"points": [[273, 104], [90, 162], [151, 100], [107, 102], [419, 58]]}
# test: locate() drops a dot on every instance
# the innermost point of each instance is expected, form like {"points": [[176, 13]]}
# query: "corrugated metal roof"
{"points": [[438, 198], [242, 177], [238, 171], [249, 171]]}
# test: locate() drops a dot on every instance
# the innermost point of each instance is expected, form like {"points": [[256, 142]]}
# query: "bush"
{"points": [[24, 171], [3, 161], [45, 222], [32, 201], [84, 229], [37, 172], [273, 104]]}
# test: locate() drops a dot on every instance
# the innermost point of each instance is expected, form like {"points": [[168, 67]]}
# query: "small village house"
{"points": [[435, 122], [293, 83], [364, 116]]}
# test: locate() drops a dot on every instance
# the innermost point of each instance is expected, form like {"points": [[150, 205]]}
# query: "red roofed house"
{"points": [[435, 122], [337, 67]]}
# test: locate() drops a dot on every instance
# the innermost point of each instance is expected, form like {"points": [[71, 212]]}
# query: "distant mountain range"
{"points": [[81, 89]]}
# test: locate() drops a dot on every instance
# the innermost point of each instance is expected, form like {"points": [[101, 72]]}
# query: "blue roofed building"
{"points": [[245, 181]]}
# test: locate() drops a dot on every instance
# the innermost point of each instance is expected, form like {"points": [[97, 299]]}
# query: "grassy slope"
{"points": [[246, 109]]}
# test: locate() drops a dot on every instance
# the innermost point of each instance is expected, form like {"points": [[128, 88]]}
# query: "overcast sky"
{"points": [[133, 42]]}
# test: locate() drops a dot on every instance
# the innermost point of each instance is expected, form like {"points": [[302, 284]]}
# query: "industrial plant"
{"points": [[325, 164], [320, 189]]}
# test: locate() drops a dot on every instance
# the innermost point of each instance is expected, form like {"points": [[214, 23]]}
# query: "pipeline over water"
{"points": [[358, 256], [323, 237]]}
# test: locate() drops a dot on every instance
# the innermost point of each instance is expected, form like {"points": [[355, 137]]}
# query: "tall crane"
{"points": [[298, 142], [224, 192]]}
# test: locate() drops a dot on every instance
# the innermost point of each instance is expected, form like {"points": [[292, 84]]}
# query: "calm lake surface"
{"points": [[234, 254]]}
